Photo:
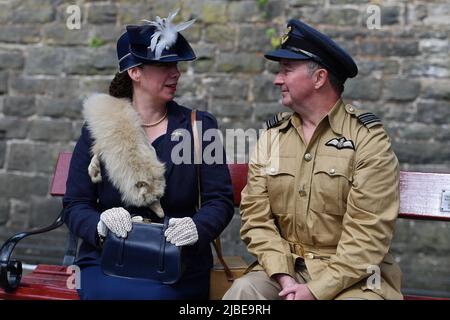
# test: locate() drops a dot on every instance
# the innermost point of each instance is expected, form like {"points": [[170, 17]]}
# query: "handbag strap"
{"points": [[197, 160]]}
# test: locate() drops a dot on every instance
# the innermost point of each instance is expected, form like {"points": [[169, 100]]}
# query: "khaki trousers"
{"points": [[256, 285]]}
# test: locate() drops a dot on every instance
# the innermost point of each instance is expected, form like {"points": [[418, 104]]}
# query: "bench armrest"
{"points": [[11, 269]]}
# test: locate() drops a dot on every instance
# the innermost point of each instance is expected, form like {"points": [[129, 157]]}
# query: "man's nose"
{"points": [[278, 81]]}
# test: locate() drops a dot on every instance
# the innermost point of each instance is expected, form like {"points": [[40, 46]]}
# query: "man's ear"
{"points": [[320, 77], [134, 73]]}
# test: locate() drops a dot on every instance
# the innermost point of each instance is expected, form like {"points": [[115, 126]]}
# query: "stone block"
{"points": [[85, 61], [240, 62], [100, 13], [433, 112], [19, 106], [405, 48], [418, 131], [244, 11], [44, 211], [253, 38], [106, 34], [11, 59], [46, 155], [132, 13], [21, 157], [4, 211], [19, 216], [231, 109], [265, 90], [59, 107], [222, 36], [330, 16], [421, 151], [21, 187], [34, 11], [13, 128], [416, 13], [436, 89], [438, 14], [50, 130], [235, 89], [26, 85], [3, 82], [432, 67], [94, 85], [45, 60], [59, 34], [192, 102], [19, 34], [401, 89], [342, 1], [6, 12], [214, 12], [363, 88], [2, 152], [434, 47]]}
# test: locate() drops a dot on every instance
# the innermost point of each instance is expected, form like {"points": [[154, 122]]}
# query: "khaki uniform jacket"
{"points": [[333, 202]]}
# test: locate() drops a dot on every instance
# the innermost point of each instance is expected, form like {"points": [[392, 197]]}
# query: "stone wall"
{"points": [[46, 70]]}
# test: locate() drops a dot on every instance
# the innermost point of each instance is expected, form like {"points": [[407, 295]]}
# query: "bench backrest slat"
{"points": [[420, 193]]}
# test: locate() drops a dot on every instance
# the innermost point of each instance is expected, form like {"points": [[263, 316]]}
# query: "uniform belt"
{"points": [[308, 252]]}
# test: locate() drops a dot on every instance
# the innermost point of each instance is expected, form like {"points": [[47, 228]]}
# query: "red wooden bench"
{"points": [[420, 198]]}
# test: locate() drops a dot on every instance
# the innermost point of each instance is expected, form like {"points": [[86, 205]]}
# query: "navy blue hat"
{"points": [[302, 42], [126, 59], [154, 42]]}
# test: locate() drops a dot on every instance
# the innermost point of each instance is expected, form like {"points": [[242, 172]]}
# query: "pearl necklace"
{"points": [[155, 123]]}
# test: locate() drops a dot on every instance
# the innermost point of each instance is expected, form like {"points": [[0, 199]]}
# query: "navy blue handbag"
{"points": [[143, 254]]}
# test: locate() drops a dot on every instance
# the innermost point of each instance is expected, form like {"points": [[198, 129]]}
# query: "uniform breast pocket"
{"points": [[331, 183], [281, 185]]}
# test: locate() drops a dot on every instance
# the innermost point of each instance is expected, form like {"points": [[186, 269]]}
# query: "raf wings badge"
{"points": [[341, 143]]}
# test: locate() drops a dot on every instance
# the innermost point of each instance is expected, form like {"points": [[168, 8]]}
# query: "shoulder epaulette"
{"points": [[277, 119], [368, 119]]}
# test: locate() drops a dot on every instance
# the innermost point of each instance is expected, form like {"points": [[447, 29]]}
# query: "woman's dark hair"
{"points": [[121, 86]]}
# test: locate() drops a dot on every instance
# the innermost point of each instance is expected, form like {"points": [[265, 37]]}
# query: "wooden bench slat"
{"points": [[39, 292], [421, 195], [61, 173]]}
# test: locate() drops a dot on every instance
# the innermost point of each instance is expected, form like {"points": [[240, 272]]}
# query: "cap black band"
{"points": [[299, 45]]}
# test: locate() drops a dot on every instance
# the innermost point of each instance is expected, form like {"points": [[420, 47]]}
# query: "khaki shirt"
{"points": [[333, 202]]}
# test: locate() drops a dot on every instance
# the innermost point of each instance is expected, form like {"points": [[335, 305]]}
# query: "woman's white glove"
{"points": [[118, 220], [181, 231]]}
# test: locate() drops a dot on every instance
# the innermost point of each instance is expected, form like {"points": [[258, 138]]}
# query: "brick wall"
{"points": [[46, 70]]}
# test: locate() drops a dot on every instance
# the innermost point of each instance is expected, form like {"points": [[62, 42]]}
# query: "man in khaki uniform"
{"points": [[322, 195]]}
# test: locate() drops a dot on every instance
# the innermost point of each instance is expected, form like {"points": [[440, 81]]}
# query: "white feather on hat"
{"points": [[166, 33]]}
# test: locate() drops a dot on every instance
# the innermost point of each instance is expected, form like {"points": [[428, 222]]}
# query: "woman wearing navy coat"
{"points": [[123, 169]]}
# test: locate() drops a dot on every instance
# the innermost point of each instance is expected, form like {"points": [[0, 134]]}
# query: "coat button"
{"points": [[308, 157], [351, 109], [272, 170], [332, 171]]}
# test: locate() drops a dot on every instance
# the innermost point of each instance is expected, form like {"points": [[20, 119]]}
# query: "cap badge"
{"points": [[285, 36]]}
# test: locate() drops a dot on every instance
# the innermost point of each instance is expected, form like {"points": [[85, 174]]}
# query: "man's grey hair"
{"points": [[336, 84]]}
